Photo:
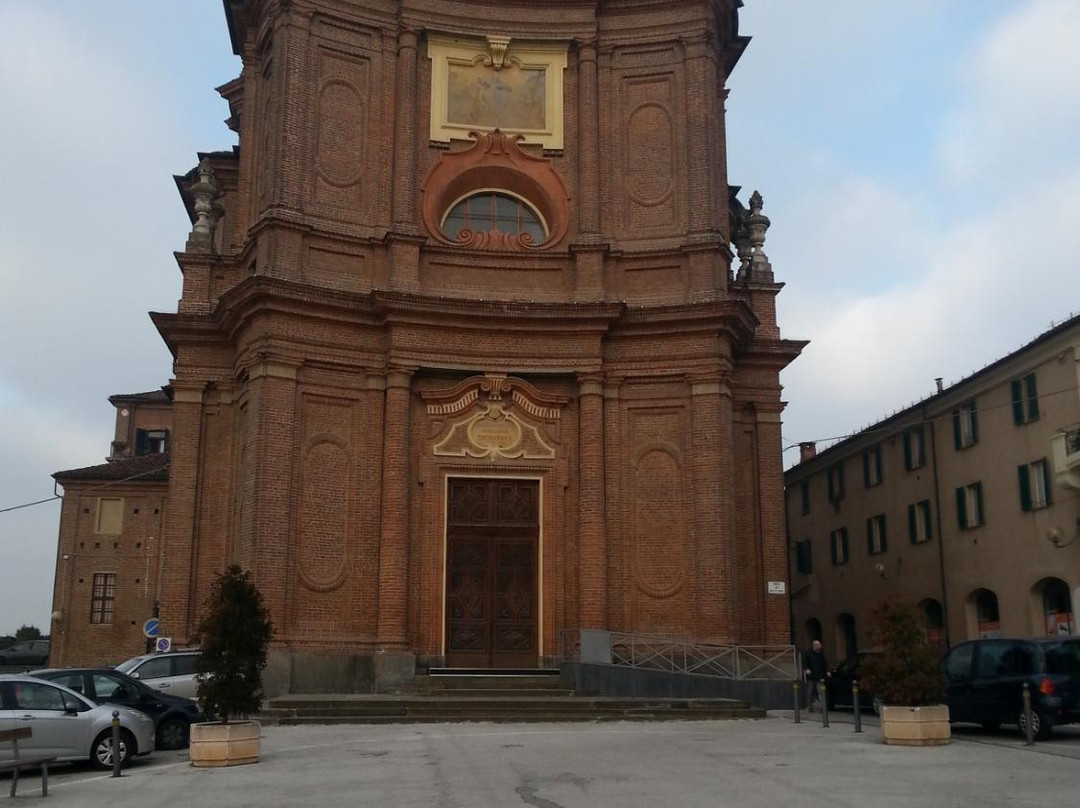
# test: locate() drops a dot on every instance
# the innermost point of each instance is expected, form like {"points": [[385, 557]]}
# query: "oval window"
{"points": [[494, 219]]}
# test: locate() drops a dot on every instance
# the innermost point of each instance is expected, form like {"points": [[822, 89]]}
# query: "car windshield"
{"points": [[129, 666]]}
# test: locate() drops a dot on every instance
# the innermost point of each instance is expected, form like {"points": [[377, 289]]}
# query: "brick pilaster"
{"points": [[394, 533], [592, 544]]}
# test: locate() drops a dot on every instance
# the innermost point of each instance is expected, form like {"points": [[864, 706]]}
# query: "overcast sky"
{"points": [[919, 159]]}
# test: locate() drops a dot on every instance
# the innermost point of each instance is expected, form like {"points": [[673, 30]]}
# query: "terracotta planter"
{"points": [[915, 726], [217, 744]]}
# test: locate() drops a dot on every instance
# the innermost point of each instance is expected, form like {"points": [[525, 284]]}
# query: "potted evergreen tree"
{"points": [[234, 636], [906, 677]]}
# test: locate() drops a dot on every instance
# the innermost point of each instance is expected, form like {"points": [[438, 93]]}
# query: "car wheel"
{"points": [[991, 726], [1040, 726], [101, 753], [172, 734]]}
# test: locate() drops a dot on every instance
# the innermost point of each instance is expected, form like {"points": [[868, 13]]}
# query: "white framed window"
{"points": [[838, 541], [875, 535], [969, 506], [919, 527], [1034, 481], [914, 448], [965, 425], [872, 467]]}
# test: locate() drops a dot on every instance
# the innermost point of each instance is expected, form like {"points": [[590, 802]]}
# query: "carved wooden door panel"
{"points": [[491, 574]]}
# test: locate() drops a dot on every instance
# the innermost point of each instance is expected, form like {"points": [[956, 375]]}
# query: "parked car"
{"points": [[173, 715], [28, 652], [172, 672], [985, 680], [67, 725], [838, 685]]}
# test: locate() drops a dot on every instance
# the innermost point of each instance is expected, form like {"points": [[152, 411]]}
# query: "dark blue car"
{"points": [[985, 680]]}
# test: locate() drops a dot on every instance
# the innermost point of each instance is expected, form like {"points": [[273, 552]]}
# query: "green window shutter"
{"points": [[956, 428], [833, 547], [979, 504], [907, 451], [1032, 398], [961, 509], [877, 464], [844, 542], [1024, 480], [884, 534], [913, 529], [1046, 481], [141, 447], [870, 536], [1017, 402]]}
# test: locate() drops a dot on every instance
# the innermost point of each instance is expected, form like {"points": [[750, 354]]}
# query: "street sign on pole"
{"points": [[150, 627], [163, 644]]}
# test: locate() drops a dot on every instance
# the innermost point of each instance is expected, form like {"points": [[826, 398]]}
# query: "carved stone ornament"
{"points": [[497, 46], [493, 418], [495, 162]]}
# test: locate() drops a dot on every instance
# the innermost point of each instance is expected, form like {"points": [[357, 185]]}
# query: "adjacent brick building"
{"points": [[462, 360], [965, 504]]}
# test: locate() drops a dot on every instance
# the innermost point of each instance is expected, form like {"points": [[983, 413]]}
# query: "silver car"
{"points": [[172, 672], [67, 725]]}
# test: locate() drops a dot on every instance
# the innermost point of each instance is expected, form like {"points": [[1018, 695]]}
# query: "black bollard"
{"points": [[1029, 731], [116, 743], [823, 702], [795, 690], [855, 705]]}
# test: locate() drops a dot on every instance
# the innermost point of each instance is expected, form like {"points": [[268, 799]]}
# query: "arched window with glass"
{"points": [[494, 219]]}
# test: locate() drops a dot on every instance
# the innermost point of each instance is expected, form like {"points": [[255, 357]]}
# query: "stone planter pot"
{"points": [[217, 744], [915, 726]]}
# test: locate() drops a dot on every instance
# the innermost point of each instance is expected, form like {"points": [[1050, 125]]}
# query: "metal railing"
{"points": [[673, 655]]}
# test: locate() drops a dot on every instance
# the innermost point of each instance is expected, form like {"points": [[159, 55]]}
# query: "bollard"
{"points": [[855, 704], [823, 703], [116, 743], [795, 690], [1029, 732]]}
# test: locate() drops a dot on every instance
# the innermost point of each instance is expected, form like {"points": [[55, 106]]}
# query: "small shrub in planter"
{"points": [[234, 637], [906, 676]]}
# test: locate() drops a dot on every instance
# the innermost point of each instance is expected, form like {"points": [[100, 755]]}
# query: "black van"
{"points": [[985, 680]]}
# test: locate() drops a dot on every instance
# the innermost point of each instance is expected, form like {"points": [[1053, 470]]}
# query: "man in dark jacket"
{"points": [[816, 670]]}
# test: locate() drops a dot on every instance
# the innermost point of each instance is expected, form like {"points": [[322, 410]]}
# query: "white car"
{"points": [[67, 725], [172, 672]]}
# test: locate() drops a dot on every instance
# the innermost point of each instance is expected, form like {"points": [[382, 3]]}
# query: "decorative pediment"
{"points": [[494, 417]]}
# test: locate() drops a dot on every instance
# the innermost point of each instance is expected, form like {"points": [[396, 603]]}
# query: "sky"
{"points": [[919, 160]]}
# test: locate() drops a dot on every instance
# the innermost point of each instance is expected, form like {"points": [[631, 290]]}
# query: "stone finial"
{"points": [[757, 224], [497, 46], [207, 207]]}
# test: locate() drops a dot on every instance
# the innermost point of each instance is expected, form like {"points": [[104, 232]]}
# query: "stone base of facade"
{"points": [[294, 671]]}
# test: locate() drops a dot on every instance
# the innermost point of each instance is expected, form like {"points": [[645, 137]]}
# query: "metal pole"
{"points": [[1029, 733], [855, 704], [116, 743], [823, 703], [795, 690]]}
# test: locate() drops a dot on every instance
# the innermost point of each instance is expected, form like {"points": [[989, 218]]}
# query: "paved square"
{"points": [[766, 763]]}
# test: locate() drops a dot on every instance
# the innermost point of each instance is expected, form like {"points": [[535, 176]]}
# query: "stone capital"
{"points": [[273, 369], [590, 385], [187, 392], [398, 377]]}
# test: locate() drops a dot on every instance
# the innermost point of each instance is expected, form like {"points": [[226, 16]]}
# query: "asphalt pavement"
{"points": [[750, 764]]}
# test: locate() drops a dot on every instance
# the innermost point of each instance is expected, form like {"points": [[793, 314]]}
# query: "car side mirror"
{"points": [[134, 675]]}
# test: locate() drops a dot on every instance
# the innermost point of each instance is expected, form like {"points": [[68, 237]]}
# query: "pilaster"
{"points": [[394, 523], [592, 547]]}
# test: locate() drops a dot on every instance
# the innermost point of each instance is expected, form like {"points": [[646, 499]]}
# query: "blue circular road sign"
{"points": [[150, 627]]}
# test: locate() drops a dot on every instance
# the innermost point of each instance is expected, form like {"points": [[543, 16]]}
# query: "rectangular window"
{"points": [[1034, 479], [151, 441], [914, 448], [919, 528], [804, 562], [871, 467], [1025, 400], [969, 506], [110, 516], [965, 425], [836, 482], [875, 535], [102, 597], [804, 490], [838, 540]]}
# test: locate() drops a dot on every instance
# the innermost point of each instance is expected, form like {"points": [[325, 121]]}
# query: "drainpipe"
{"points": [[940, 533]]}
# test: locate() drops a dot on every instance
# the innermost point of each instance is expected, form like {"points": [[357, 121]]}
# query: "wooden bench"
{"points": [[13, 737]]}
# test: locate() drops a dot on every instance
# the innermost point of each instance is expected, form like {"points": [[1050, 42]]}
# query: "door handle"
{"points": [[27, 717], [164, 685]]}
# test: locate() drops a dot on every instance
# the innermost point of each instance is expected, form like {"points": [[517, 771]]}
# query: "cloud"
{"points": [[1021, 86]]}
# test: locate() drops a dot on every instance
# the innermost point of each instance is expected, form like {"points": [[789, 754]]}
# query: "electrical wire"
{"points": [[86, 490]]}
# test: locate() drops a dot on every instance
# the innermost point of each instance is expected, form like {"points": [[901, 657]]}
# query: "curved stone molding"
{"points": [[495, 163], [342, 117], [659, 522], [323, 511], [650, 171]]}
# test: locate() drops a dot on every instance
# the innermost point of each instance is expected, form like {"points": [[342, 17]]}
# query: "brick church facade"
{"points": [[476, 346]]}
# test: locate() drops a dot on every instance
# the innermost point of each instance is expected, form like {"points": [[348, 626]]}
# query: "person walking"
{"points": [[816, 670]]}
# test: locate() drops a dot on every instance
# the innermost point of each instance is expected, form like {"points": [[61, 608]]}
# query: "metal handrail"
{"points": [[674, 655]]}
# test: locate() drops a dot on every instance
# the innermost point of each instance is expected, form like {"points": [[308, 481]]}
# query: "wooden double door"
{"points": [[492, 581]]}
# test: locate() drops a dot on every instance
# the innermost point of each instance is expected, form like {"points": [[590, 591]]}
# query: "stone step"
{"points": [[472, 682], [502, 693], [362, 703], [521, 718]]}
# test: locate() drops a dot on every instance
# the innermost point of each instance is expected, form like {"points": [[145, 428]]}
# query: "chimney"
{"points": [[807, 451], [940, 386]]}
